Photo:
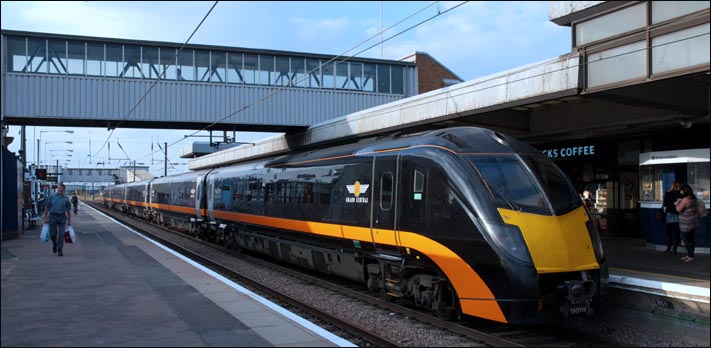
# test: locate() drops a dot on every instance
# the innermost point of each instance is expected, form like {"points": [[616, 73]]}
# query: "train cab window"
{"points": [[554, 183], [419, 184], [386, 191], [511, 183]]}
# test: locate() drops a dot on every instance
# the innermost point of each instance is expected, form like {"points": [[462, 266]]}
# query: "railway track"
{"points": [[476, 332]]}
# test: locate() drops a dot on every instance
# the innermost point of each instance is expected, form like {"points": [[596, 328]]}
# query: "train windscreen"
{"points": [[519, 188], [511, 184], [558, 189]]}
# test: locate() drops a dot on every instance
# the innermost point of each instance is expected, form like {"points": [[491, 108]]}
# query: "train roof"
{"points": [[456, 139]]}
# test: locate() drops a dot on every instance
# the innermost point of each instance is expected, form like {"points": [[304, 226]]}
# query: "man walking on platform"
{"points": [[58, 212]]}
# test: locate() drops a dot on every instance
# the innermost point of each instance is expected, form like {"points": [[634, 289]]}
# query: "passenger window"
{"points": [[386, 191]]}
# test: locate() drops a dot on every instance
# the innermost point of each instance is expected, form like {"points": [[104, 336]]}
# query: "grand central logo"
{"points": [[357, 189]]}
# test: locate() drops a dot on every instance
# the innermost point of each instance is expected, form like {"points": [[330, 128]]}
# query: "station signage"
{"points": [[570, 152], [41, 173]]}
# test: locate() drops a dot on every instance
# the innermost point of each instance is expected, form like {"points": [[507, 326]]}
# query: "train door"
{"points": [[210, 198], [199, 200], [384, 205]]}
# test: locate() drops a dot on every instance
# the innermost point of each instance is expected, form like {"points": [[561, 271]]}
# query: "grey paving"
{"points": [[113, 288]]}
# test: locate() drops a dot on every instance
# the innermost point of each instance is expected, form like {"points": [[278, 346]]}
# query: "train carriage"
{"points": [[458, 221], [177, 201], [114, 196], [136, 201]]}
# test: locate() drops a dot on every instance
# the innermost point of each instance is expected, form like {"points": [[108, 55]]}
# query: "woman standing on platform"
{"points": [[687, 219], [672, 218]]}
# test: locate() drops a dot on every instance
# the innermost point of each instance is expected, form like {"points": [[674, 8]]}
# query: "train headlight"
{"points": [[510, 239], [595, 239]]}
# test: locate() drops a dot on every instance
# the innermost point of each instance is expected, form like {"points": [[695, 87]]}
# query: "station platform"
{"points": [[115, 288], [658, 293], [631, 258]]}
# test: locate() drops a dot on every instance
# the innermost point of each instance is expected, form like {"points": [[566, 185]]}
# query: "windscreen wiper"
{"points": [[491, 190]]}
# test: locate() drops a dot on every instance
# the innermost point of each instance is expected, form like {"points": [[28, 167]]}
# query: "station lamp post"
{"points": [[63, 155], [40, 138], [36, 189], [50, 151]]}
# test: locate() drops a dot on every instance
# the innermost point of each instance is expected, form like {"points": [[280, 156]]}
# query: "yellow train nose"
{"points": [[556, 243]]}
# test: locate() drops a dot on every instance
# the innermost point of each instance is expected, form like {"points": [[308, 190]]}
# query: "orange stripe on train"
{"points": [[475, 296]]}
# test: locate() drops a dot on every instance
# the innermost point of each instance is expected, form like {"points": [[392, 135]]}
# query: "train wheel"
{"points": [[447, 305]]}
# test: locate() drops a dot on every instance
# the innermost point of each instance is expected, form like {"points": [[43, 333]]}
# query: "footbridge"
{"points": [[79, 81]]}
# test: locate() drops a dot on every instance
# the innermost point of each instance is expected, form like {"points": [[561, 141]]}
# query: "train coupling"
{"points": [[577, 297]]}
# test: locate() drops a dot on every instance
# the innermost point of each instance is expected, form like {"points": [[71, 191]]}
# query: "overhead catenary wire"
{"points": [[140, 100], [278, 90], [282, 88], [452, 93], [336, 58]]}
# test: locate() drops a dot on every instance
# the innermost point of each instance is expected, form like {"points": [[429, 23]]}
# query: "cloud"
{"points": [[323, 29]]}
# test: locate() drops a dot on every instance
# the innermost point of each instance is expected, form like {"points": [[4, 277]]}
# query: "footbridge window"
{"points": [[33, 54]]}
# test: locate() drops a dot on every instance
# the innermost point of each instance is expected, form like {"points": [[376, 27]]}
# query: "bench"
{"points": [[31, 218]]}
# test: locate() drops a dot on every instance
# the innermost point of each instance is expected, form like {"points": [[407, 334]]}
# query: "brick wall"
{"points": [[430, 73]]}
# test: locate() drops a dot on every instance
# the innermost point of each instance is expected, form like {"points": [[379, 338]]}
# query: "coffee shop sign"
{"points": [[575, 151]]}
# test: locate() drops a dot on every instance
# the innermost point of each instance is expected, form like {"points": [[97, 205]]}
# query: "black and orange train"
{"points": [[458, 221]]}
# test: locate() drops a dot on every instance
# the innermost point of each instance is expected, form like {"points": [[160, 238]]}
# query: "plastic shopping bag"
{"points": [[69, 236], [44, 235]]}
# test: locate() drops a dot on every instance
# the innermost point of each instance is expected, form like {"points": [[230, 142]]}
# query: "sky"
{"points": [[476, 39]]}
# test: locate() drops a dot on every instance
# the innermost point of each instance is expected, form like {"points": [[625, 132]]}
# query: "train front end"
{"points": [[549, 250]]}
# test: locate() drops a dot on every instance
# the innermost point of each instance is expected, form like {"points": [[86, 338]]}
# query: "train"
{"points": [[457, 221]]}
